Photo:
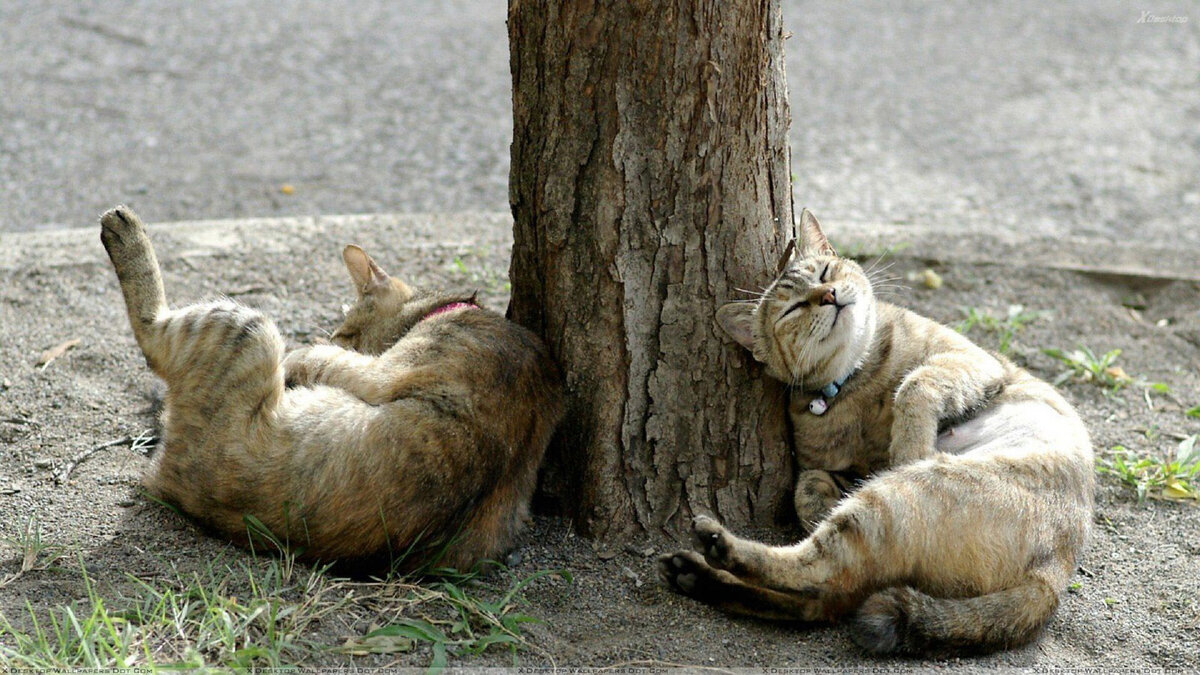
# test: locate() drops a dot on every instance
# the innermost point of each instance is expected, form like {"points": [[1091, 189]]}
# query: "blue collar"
{"points": [[820, 404]]}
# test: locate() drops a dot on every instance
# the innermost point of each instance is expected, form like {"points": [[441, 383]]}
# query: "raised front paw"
{"points": [[684, 571], [296, 368], [714, 541]]}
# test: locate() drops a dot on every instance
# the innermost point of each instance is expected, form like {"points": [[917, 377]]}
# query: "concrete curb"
{"points": [[206, 238], [198, 239]]}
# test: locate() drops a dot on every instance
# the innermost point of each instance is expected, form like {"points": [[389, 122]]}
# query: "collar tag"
{"points": [[820, 404]]}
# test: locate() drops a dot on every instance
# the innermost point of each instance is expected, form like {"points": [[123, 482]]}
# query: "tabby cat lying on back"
{"points": [[414, 438], [980, 490]]}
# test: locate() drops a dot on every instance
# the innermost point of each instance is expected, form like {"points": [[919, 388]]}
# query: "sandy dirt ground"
{"points": [[1133, 603]]}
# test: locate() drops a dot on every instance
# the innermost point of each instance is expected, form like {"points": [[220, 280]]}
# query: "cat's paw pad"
{"points": [[119, 220], [713, 540], [120, 228], [682, 571]]}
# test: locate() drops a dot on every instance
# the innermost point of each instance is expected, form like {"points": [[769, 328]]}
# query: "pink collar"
{"points": [[450, 308]]}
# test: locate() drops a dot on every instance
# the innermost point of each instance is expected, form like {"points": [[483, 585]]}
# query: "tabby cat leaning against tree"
{"points": [[979, 487], [413, 439]]}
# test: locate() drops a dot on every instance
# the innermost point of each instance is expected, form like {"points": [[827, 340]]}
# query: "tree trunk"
{"points": [[650, 181]]}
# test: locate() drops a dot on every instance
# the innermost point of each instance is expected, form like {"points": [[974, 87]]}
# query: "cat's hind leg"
{"points": [[688, 573], [827, 574], [128, 246], [220, 360]]}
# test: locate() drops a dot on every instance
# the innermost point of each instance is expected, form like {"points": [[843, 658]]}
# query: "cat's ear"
{"points": [[368, 276], [737, 319], [813, 241]]}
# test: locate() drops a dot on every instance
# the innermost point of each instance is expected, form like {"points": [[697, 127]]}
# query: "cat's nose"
{"points": [[830, 297]]}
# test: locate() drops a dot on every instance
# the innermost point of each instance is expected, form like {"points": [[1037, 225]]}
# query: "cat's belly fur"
{"points": [[1008, 426]]}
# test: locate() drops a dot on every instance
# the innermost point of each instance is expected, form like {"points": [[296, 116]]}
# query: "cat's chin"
{"points": [[843, 319]]}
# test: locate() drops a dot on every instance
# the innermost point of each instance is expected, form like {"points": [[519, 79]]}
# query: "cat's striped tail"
{"points": [[903, 620]]}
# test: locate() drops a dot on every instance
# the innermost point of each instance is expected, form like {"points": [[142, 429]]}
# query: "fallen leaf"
{"points": [[376, 644], [1117, 373], [287, 189], [1177, 490], [57, 351]]}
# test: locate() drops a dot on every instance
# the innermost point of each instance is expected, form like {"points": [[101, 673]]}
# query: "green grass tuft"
{"points": [[1172, 475], [268, 613], [1006, 328], [36, 553], [1084, 365]]}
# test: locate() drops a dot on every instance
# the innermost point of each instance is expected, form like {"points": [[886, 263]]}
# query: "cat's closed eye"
{"points": [[796, 306]]}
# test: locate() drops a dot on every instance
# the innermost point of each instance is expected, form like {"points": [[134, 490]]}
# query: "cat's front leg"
{"points": [[948, 386], [816, 494], [332, 366]]}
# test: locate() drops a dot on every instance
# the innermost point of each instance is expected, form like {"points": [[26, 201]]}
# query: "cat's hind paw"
{"points": [[713, 540], [123, 234], [684, 571]]}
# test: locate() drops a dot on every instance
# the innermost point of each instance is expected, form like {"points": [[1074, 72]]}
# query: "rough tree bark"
{"points": [[650, 180]]}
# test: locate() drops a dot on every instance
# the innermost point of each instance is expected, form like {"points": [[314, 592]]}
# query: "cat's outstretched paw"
{"points": [[684, 571], [714, 541]]}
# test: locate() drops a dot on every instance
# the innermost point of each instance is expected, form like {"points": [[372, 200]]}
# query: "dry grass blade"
{"points": [[56, 351], [139, 442]]}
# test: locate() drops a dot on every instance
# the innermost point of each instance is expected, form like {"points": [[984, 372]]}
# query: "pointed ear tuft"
{"points": [[813, 241], [368, 276], [737, 319]]}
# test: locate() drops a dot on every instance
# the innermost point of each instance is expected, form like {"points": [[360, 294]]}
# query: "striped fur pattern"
{"points": [[974, 479], [412, 439]]}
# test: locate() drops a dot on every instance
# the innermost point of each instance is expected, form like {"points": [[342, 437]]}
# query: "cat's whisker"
{"points": [[875, 264], [882, 256], [754, 293], [878, 274]]}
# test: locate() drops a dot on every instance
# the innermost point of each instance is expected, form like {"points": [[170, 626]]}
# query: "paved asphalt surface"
{"points": [[1070, 118]]}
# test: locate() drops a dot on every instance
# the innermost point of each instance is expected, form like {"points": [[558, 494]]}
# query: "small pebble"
{"points": [[931, 279], [635, 550], [632, 576], [607, 554], [43, 463]]}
